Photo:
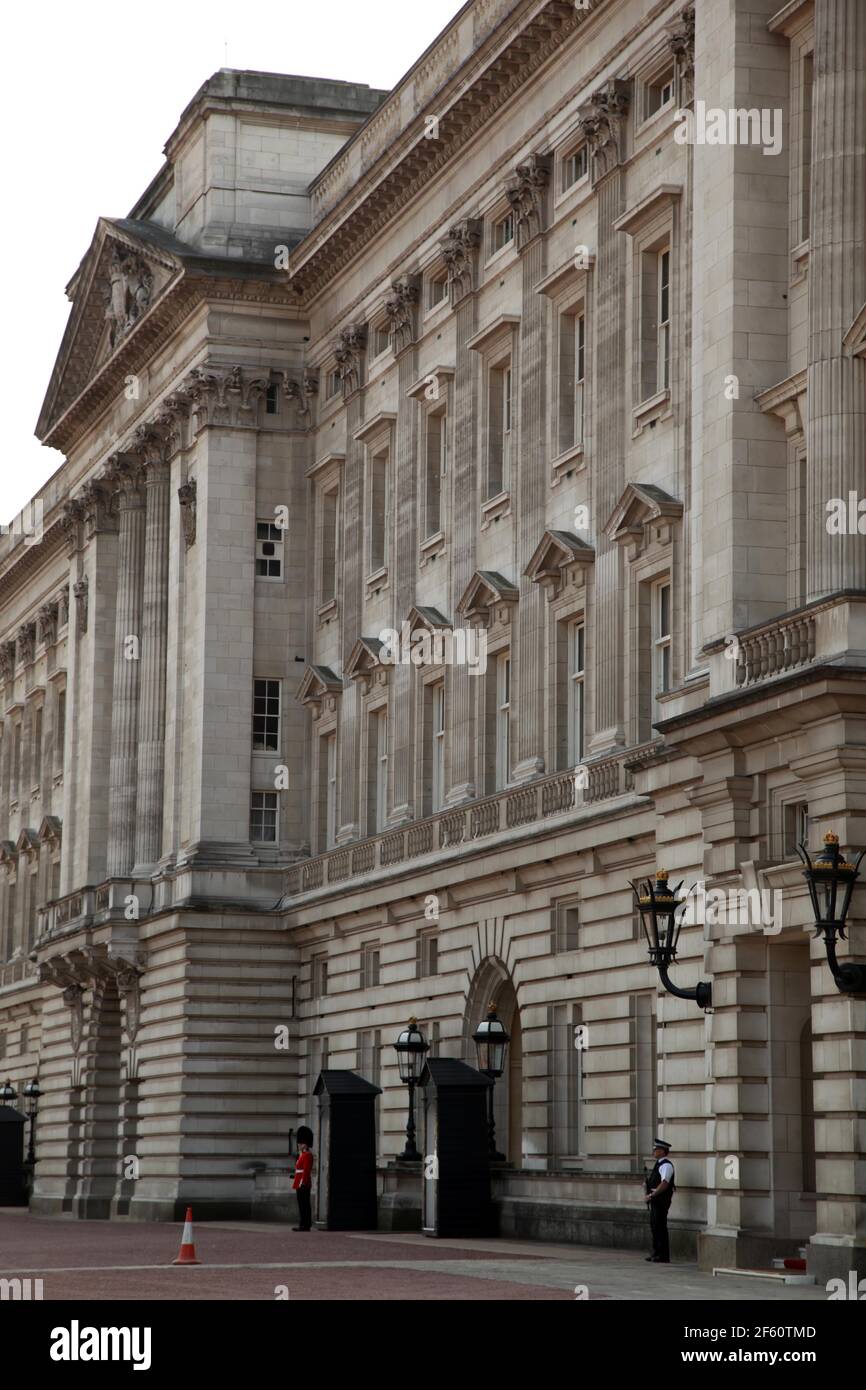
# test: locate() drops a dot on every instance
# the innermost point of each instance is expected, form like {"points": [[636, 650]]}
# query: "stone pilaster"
{"points": [[603, 120], [123, 785], [836, 380], [531, 491], [460, 250], [401, 721], [350, 355], [154, 633]]}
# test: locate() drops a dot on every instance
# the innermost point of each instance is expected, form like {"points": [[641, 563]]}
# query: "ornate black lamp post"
{"points": [[32, 1091], [831, 882], [658, 905], [491, 1039], [8, 1093], [411, 1048]]}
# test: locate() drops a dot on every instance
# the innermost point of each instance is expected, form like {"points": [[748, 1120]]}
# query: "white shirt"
{"points": [[666, 1170]]}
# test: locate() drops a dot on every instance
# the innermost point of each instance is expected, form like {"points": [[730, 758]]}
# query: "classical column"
{"points": [[350, 354], [836, 380], [123, 774], [400, 712], [527, 194], [602, 121], [460, 252], [154, 629]]}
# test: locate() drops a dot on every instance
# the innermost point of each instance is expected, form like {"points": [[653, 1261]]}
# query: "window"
{"points": [[269, 550], [437, 288], [575, 166], [329, 776], [566, 921], [500, 423], [566, 1082], [381, 809], [655, 310], [503, 231], [318, 976], [370, 964], [807, 78], [436, 463], [661, 637], [572, 368], [426, 954], [37, 746], [16, 764], [263, 817], [576, 673], [503, 721], [664, 320], [266, 716], [796, 826], [60, 732], [659, 92], [272, 399], [330, 511], [438, 750], [377, 500], [381, 340], [332, 384]]}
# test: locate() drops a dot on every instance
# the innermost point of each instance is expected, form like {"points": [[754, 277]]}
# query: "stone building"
{"points": [[549, 362]]}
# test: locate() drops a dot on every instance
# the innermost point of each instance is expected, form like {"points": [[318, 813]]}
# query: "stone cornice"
{"points": [[409, 161]]}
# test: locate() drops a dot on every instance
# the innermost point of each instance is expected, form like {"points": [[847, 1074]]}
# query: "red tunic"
{"points": [[303, 1170]]}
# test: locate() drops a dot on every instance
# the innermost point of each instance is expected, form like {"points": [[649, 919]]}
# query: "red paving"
{"points": [[73, 1258]]}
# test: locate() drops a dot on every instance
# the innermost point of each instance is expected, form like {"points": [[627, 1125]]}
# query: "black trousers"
{"points": [[659, 1209], [304, 1217]]}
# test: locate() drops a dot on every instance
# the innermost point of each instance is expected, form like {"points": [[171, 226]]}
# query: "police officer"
{"points": [[660, 1188]]}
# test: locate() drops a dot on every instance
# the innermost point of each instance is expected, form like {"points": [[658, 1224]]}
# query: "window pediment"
{"points": [[429, 618], [560, 558], [488, 598], [51, 830], [365, 665], [642, 508], [320, 688]]}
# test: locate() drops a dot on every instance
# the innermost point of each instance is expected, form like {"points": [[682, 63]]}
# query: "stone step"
{"points": [[781, 1276]]}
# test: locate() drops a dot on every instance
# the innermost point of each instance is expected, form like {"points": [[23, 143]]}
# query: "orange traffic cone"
{"points": [[187, 1244]]}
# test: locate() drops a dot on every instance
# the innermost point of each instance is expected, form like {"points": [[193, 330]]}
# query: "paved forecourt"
{"points": [[93, 1260]]}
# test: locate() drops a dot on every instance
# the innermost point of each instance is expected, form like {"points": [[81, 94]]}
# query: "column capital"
{"points": [[526, 193], [602, 124], [401, 311], [459, 250]]}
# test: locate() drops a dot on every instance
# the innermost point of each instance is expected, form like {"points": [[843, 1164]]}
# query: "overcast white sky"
{"points": [[92, 90]]}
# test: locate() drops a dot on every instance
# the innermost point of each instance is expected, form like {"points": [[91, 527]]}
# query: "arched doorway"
{"points": [[493, 984]]}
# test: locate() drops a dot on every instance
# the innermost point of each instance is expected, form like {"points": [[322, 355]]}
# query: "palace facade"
{"points": [[521, 363]]}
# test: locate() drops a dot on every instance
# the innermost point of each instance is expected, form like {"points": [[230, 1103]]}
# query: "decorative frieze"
{"points": [[186, 496], [459, 251], [526, 193], [602, 123]]}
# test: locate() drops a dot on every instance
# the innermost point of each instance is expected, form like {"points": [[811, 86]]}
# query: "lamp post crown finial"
{"points": [[831, 838]]}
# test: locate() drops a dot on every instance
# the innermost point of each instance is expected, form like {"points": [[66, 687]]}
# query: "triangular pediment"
{"points": [[7, 852], [553, 555], [318, 682], [28, 840], [429, 618], [51, 829], [485, 589], [640, 503], [364, 658], [126, 270]]}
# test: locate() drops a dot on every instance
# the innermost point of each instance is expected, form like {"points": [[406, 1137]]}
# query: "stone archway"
{"points": [[492, 983]]}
